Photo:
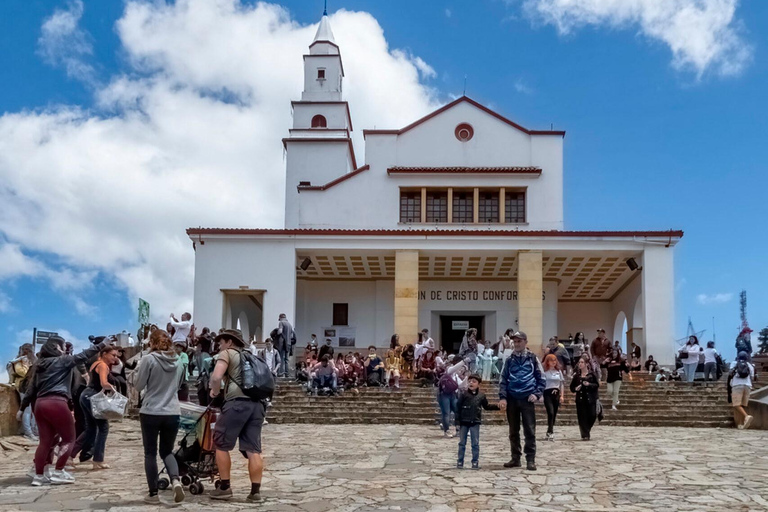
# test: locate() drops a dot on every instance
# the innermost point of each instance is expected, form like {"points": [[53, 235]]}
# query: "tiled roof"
{"points": [[464, 170], [435, 232]]}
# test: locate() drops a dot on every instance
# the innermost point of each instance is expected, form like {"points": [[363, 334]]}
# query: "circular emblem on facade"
{"points": [[464, 132]]}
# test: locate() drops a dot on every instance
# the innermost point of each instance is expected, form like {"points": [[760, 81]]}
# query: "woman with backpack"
{"points": [[447, 394], [617, 365], [19, 376], [739, 388], [160, 376], [689, 356]]}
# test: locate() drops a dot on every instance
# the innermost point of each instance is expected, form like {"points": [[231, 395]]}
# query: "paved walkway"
{"points": [[314, 468]]}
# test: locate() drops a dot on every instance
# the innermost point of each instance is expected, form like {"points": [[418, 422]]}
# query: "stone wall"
{"points": [[9, 405]]}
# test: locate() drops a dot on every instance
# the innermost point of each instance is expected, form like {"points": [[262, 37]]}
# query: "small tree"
{"points": [[762, 340]]}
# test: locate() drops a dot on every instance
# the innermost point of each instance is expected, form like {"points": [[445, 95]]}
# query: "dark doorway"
{"points": [[452, 330]]}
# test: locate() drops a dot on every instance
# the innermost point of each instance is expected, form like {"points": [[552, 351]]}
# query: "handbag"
{"points": [[108, 406], [599, 410], [684, 355]]}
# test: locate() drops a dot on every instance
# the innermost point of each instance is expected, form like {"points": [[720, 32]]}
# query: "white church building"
{"points": [[453, 221]]}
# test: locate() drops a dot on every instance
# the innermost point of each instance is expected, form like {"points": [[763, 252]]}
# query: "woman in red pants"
{"points": [[50, 392]]}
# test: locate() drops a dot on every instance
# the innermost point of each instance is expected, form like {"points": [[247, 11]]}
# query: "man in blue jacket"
{"points": [[522, 384]]}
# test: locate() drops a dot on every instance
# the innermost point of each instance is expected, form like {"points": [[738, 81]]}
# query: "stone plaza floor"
{"points": [[318, 468]]}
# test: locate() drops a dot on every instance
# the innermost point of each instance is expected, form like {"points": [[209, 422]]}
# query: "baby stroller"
{"points": [[196, 455]]}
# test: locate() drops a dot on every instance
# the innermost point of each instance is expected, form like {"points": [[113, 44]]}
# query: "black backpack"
{"points": [[742, 369], [256, 380], [447, 385]]}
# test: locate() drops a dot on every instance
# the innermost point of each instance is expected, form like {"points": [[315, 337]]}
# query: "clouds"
{"points": [[188, 135], [63, 43], [703, 35], [715, 298]]}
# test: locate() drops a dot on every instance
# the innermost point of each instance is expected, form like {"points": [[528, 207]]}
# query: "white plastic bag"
{"points": [[108, 406]]}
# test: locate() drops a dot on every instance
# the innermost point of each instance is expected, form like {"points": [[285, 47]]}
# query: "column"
{"points": [[407, 296], [530, 304], [659, 304]]}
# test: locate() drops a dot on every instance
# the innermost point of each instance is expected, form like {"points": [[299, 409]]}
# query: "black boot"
{"points": [[513, 463], [531, 465]]}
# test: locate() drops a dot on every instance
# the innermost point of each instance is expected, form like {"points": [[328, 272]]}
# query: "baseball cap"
{"points": [[521, 335]]}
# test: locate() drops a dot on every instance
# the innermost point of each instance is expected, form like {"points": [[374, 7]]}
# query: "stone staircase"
{"points": [[643, 403]]}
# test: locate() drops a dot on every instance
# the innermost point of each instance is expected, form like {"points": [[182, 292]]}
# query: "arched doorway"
{"points": [[620, 329]]}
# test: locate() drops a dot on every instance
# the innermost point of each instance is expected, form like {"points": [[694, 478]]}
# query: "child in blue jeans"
{"points": [[469, 416]]}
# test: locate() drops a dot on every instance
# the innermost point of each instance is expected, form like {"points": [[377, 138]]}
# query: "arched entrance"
{"points": [[620, 329]]}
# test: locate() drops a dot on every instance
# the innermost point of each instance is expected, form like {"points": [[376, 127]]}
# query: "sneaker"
{"points": [[613, 407], [748, 422], [178, 491], [459, 465], [548, 436], [740, 427], [475, 465], [60, 477], [39, 480], [551, 437], [530, 465], [265, 422], [152, 500], [514, 463], [218, 494], [254, 497]]}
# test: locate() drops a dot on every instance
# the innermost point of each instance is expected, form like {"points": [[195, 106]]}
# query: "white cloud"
{"points": [[63, 43], [522, 87], [715, 298], [188, 135], [703, 35], [5, 302]]}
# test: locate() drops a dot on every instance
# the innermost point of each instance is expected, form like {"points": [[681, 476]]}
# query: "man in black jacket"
{"points": [[469, 417]]}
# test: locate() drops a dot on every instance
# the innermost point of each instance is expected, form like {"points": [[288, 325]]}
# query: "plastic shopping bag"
{"points": [[108, 406]]}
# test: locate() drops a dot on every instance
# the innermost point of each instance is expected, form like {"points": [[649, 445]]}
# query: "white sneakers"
{"points": [[178, 492], [60, 477], [39, 480], [748, 422], [614, 408]]}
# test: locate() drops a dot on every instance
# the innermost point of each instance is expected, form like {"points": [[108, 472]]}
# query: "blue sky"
{"points": [[652, 142]]}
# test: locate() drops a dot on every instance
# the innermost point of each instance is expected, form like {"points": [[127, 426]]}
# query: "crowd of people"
{"points": [[57, 387]]}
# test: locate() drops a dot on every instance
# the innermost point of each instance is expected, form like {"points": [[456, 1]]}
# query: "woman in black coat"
{"points": [[585, 384]]}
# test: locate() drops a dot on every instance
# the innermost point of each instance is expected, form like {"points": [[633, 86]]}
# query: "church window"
{"points": [[463, 208], [437, 206], [514, 207], [488, 207], [410, 206], [319, 121], [464, 132], [321, 74]]}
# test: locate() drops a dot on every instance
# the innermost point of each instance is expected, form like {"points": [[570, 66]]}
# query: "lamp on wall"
{"points": [[305, 264], [632, 264]]}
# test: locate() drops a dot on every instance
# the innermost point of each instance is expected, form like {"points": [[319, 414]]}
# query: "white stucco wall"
{"points": [[373, 196], [335, 115], [658, 287], [230, 265], [586, 317]]}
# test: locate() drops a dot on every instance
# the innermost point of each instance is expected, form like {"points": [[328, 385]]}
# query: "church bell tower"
{"points": [[319, 148]]}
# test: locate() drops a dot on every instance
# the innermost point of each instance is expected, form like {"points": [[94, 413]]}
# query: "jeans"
{"points": [[710, 369], [613, 391], [54, 420], [524, 410], [325, 381], [96, 431], [585, 412], [551, 404], [690, 371], [28, 423], [166, 427], [447, 404], [474, 432], [282, 369]]}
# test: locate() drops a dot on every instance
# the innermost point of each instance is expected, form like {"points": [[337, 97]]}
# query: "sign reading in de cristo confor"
{"points": [[472, 295]]}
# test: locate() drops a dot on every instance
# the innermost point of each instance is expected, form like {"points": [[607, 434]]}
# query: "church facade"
{"points": [[453, 221]]}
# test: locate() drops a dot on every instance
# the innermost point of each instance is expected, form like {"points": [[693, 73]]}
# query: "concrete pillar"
{"points": [[659, 303], [530, 304], [407, 296]]}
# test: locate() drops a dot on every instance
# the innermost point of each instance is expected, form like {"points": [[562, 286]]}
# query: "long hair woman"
{"points": [[96, 431], [585, 385], [553, 392], [50, 393], [689, 355], [616, 366], [160, 377]]}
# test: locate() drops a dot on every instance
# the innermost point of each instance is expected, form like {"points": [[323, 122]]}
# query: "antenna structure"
{"points": [[465, 86], [325, 8]]}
